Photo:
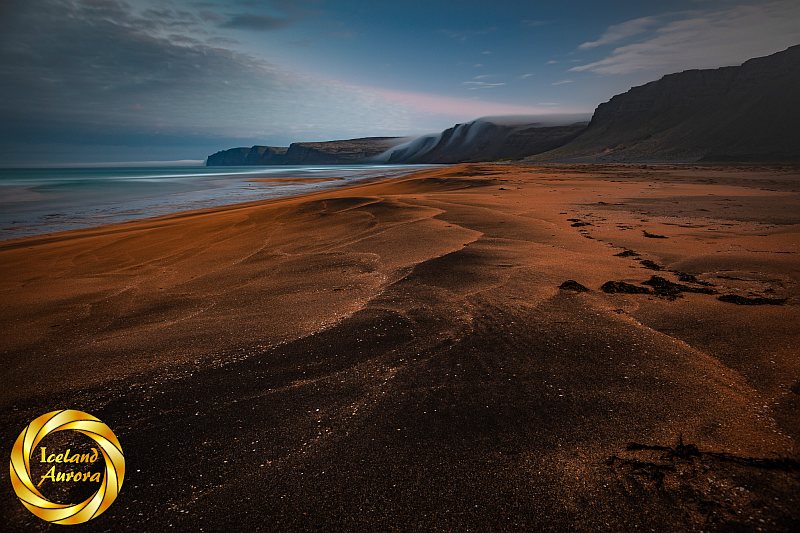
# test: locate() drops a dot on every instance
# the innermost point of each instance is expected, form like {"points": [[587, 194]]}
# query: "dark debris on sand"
{"points": [[754, 300], [691, 278], [652, 265], [664, 287], [717, 490], [627, 253], [623, 288], [572, 285]]}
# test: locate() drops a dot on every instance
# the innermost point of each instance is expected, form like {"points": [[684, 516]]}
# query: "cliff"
{"points": [[348, 151], [746, 113], [484, 139], [256, 155], [749, 112]]}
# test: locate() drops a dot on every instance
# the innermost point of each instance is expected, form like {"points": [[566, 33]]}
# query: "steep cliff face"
{"points": [[256, 155], [266, 155], [339, 152], [746, 113], [483, 140], [315, 153], [229, 158]]}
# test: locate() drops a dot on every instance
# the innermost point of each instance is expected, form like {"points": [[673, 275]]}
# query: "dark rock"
{"points": [[754, 300], [624, 288], [650, 264], [691, 278], [627, 253], [572, 285], [664, 287], [653, 235], [580, 224]]}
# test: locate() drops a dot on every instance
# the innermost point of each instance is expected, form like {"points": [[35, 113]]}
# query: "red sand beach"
{"points": [[400, 355]]}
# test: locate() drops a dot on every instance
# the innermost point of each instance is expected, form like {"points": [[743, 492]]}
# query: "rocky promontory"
{"points": [[341, 152]]}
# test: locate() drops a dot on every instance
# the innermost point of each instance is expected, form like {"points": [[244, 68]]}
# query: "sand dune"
{"points": [[400, 355]]}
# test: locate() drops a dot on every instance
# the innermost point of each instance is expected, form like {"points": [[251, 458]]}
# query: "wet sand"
{"points": [[292, 181], [399, 355]]}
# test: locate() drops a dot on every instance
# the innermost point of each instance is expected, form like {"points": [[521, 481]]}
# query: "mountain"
{"points": [[749, 112], [484, 139], [347, 151]]}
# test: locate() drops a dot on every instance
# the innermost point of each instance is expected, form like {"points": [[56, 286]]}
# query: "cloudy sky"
{"points": [[116, 80]]}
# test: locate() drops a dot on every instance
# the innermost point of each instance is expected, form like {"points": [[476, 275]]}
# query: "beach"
{"points": [[405, 353], [35, 201]]}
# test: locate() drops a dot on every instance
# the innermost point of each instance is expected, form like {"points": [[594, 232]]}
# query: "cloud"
{"points": [[461, 108], [619, 32], [92, 75], [707, 39], [255, 22], [561, 82], [527, 75], [552, 62], [475, 85], [91, 65], [95, 80]]}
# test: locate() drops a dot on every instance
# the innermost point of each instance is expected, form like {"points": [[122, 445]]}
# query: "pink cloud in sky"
{"points": [[460, 108]]}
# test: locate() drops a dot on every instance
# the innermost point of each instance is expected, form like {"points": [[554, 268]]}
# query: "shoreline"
{"points": [[92, 230], [49, 236], [92, 197], [410, 346]]}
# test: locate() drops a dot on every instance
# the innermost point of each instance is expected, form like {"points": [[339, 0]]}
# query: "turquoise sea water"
{"points": [[36, 201]]}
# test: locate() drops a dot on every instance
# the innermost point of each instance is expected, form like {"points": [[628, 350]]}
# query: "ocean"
{"points": [[45, 200]]}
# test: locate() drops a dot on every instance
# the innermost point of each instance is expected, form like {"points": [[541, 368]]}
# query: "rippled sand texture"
{"points": [[400, 354]]}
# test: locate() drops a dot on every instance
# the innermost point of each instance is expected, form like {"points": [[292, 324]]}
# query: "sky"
{"points": [[116, 80]]}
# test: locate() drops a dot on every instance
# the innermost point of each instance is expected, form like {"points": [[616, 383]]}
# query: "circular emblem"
{"points": [[109, 484]]}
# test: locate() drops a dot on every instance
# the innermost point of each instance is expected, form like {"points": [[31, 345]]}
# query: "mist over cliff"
{"points": [[483, 139], [489, 139]]}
